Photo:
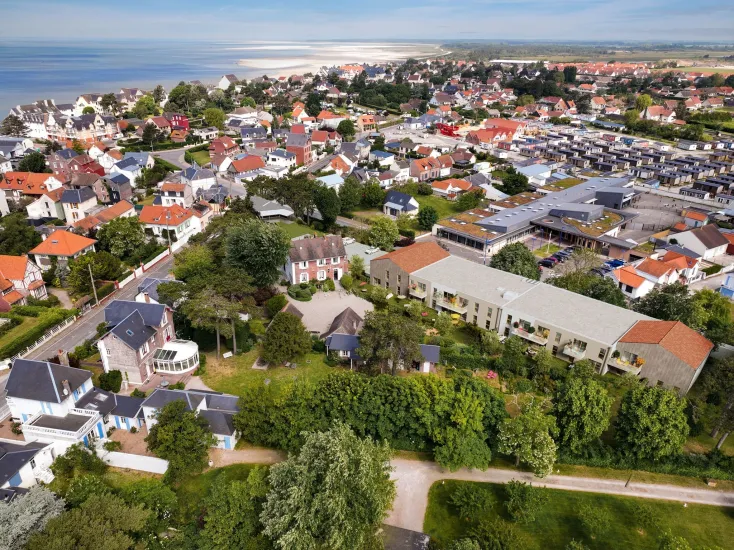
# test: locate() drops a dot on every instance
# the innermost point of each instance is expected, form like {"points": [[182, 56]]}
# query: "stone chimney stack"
{"points": [[147, 297], [67, 388]]}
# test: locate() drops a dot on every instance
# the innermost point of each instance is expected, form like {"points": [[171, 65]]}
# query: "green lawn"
{"points": [[201, 157], [296, 229], [546, 250], [236, 374], [444, 207], [557, 523], [147, 201], [27, 324]]}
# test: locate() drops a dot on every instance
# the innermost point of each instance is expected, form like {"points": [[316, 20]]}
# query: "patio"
{"points": [[133, 443], [155, 382]]}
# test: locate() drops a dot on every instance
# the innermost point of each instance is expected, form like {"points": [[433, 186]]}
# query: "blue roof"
{"points": [[382, 154], [149, 285], [119, 179], [400, 199], [282, 153], [431, 353], [342, 342], [127, 163], [133, 331], [332, 180]]}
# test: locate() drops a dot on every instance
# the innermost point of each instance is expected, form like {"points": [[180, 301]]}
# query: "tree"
{"points": [[372, 194], [16, 236], [27, 514], [144, 107], [651, 423], [516, 258], [83, 487], [210, 311], [383, 233], [582, 409], [88, 110], [346, 129], [151, 134], [443, 323], [642, 102], [33, 162], [111, 381], [389, 339], [514, 183], [542, 362], [594, 519], [104, 265], [524, 501], [464, 544], [159, 94], [182, 437], [569, 74], [356, 265], [285, 339], [681, 111], [631, 117], [328, 204], [313, 104], [600, 288], [489, 342], [427, 217], [259, 248], [194, 261], [233, 511], [513, 356], [155, 496], [576, 545], [529, 438], [77, 146], [103, 521], [673, 303], [248, 102], [334, 493], [350, 195], [497, 534], [14, 126], [214, 117], [718, 321], [122, 236], [470, 200]]}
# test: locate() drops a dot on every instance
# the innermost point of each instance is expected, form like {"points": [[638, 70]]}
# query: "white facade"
{"points": [[75, 211], [44, 207]]}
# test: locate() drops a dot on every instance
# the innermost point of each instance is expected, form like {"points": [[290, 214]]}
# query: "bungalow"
{"points": [[383, 158], [249, 135], [707, 241], [169, 223], [450, 188], [206, 134], [19, 278], [62, 245], [397, 203], [537, 174]]}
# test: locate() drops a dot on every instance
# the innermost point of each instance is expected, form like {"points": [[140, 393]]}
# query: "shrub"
{"points": [[133, 430], [328, 285], [111, 381], [50, 301], [524, 501], [407, 233], [262, 295], [317, 345], [105, 290], [201, 369], [16, 428], [51, 318], [141, 394], [275, 304], [112, 446], [471, 500], [177, 386]]}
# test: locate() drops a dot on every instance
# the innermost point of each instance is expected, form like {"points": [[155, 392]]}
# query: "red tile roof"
{"points": [[13, 267], [686, 344], [159, 215], [416, 256], [62, 243], [247, 164]]}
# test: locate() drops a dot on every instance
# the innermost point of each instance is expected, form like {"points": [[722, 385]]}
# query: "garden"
{"points": [[28, 323]]}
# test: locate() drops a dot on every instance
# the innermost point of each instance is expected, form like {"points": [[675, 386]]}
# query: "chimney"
{"points": [[67, 387], [147, 297], [63, 357]]}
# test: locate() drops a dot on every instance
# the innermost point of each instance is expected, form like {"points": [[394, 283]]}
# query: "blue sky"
{"points": [[653, 20]]}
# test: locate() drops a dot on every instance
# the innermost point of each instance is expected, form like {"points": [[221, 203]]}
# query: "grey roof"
{"points": [[282, 154], [149, 285], [347, 322], [133, 331], [78, 195], [342, 342], [222, 402], [160, 398], [98, 400], [120, 179], [128, 407], [293, 310], [431, 353], [262, 206], [401, 200], [141, 159], [41, 381], [710, 236], [117, 310], [127, 163], [192, 174], [397, 538], [297, 140], [317, 248], [67, 154], [256, 131], [219, 423], [13, 456]]}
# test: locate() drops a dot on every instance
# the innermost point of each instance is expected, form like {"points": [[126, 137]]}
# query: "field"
{"points": [[444, 207], [722, 70], [201, 157], [296, 230], [557, 523], [27, 324]]}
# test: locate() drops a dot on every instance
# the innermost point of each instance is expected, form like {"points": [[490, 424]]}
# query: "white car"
{"points": [[348, 240]]}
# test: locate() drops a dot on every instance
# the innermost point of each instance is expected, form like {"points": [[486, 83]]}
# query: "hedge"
{"points": [[163, 146], [29, 311], [54, 317], [712, 269], [14, 321], [105, 290], [466, 360]]}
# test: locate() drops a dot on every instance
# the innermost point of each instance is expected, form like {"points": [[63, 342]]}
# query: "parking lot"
{"points": [[655, 213]]}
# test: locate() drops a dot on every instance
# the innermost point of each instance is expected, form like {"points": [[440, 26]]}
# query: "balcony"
{"points": [[72, 427], [455, 306], [417, 292], [536, 337], [626, 366], [573, 351]]}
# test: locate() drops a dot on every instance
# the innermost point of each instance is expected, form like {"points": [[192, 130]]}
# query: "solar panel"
{"points": [[164, 354]]}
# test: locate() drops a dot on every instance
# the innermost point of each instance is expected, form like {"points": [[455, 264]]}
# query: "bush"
{"points": [[262, 295], [52, 318], [13, 321], [201, 369], [111, 381], [317, 345], [177, 386], [105, 290], [50, 301], [141, 394], [28, 311], [347, 282], [133, 430], [275, 304], [112, 446], [712, 269], [328, 285], [16, 428], [407, 233], [84, 350]]}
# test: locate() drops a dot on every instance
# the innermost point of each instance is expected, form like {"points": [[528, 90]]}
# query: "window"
{"points": [[476, 308], [321, 275], [343, 353], [377, 281], [334, 261], [304, 278], [489, 313], [628, 288], [321, 262], [555, 350], [304, 265], [387, 276], [488, 324], [602, 353], [509, 319], [109, 351]]}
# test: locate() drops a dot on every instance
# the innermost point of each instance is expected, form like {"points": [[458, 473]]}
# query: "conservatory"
{"points": [[176, 357]]}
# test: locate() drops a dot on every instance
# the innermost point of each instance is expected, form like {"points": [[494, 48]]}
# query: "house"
{"points": [[632, 284], [144, 160], [241, 168], [425, 169], [322, 138], [148, 290], [129, 168], [77, 203], [707, 241], [16, 185], [136, 331], [537, 174], [327, 119], [317, 258], [450, 188], [62, 245], [279, 157], [94, 182], [19, 278], [122, 209], [169, 223], [366, 123], [342, 165], [206, 134], [249, 135], [179, 136], [393, 269], [200, 179], [43, 397], [300, 145], [47, 206], [226, 81], [688, 267], [177, 121], [383, 158], [217, 408], [224, 145], [271, 210], [176, 193], [694, 219], [23, 465], [397, 203], [58, 162], [332, 181], [119, 187], [342, 336], [84, 164], [121, 412]]}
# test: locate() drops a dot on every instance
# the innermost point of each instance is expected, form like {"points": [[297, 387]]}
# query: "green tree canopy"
{"points": [[372, 194], [384, 232], [215, 117], [33, 162], [192, 262], [467, 201], [673, 303], [529, 438], [642, 102], [427, 217], [350, 195], [346, 129], [259, 248], [105, 267], [285, 339], [390, 340], [582, 409], [328, 203], [14, 126], [182, 437], [651, 423], [334, 493], [16, 236], [122, 236], [27, 514], [144, 107], [516, 258]]}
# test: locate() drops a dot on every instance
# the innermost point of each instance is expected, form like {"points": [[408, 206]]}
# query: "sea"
{"points": [[62, 70]]}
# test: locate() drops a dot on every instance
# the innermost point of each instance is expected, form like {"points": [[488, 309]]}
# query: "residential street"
{"points": [[86, 326]]}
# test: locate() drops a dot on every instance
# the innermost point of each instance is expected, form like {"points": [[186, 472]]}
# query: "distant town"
{"points": [[440, 303]]}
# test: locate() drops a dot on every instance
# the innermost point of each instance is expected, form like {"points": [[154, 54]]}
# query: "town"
{"points": [[458, 302]]}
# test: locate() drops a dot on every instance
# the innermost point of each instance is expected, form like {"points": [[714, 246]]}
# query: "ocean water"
{"points": [[62, 70]]}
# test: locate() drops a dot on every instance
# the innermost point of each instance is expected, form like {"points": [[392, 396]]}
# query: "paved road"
{"points": [[341, 220], [414, 479], [86, 326], [174, 156]]}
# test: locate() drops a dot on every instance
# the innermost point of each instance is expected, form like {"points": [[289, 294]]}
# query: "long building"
{"points": [[571, 326]]}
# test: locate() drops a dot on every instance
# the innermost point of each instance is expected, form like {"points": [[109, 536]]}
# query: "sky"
{"points": [[277, 20]]}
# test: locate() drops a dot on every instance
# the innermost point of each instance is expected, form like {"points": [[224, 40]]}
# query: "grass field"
{"points": [[444, 207], [27, 324], [236, 374], [558, 523], [722, 70], [201, 157], [296, 230], [546, 250]]}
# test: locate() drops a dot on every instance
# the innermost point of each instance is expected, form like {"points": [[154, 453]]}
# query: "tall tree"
{"points": [[346, 129], [642, 102], [259, 248], [159, 94], [144, 107], [529, 438], [516, 258], [350, 195], [121, 236], [235, 286], [673, 303], [582, 409], [285, 339], [210, 311], [372, 194], [651, 423], [192, 262], [181, 437], [17, 237], [215, 117], [334, 493], [34, 162], [14, 126], [27, 514], [384, 232], [105, 267], [427, 217], [390, 340], [328, 204]]}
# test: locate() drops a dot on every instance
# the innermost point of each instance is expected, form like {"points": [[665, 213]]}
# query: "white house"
{"points": [[226, 81], [382, 157], [129, 168], [78, 203], [5, 165], [706, 241], [206, 134], [631, 284], [537, 174], [169, 222], [280, 157], [397, 203], [47, 205]]}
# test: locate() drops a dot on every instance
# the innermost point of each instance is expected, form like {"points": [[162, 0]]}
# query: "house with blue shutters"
{"points": [[23, 465], [44, 398], [218, 409]]}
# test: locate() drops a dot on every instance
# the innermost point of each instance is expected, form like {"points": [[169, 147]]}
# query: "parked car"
{"points": [[551, 259], [559, 258], [547, 263], [614, 263]]}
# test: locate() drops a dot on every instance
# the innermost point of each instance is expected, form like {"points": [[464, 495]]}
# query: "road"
{"points": [[86, 326], [346, 222]]}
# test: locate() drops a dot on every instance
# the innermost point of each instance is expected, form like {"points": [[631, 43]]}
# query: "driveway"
{"points": [[321, 310], [174, 156], [414, 479]]}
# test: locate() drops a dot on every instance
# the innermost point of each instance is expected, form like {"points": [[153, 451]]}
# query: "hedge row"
{"points": [[13, 321], [53, 318], [105, 290], [29, 311]]}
